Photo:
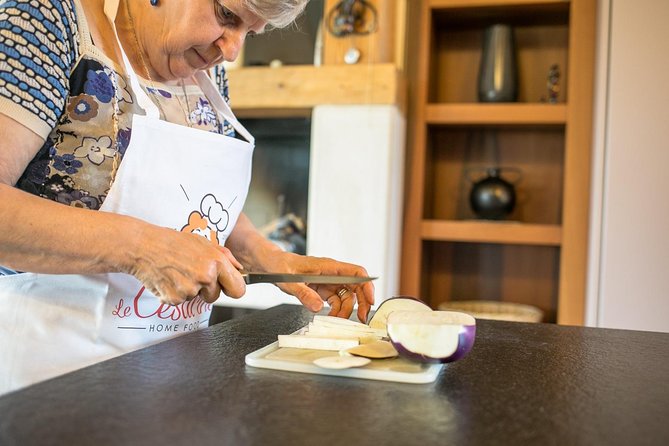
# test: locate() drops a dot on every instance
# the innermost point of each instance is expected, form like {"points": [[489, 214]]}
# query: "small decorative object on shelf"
{"points": [[498, 79], [493, 197], [553, 83]]}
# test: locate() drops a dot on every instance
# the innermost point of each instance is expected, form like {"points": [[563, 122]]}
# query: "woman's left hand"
{"points": [[341, 298], [257, 253]]}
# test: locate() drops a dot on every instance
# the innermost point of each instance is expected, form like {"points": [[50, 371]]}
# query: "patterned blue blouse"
{"points": [[54, 81]]}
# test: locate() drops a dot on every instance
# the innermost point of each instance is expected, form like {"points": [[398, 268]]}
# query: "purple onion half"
{"points": [[436, 337]]}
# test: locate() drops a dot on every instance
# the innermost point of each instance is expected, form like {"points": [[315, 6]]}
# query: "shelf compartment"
{"points": [[458, 156], [491, 232], [508, 113], [522, 274], [542, 39]]}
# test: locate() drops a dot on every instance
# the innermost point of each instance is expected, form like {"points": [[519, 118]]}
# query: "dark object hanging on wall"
{"points": [[493, 197], [498, 79], [352, 17]]}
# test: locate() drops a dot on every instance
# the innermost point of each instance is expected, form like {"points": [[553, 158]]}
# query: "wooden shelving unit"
{"points": [[539, 255]]}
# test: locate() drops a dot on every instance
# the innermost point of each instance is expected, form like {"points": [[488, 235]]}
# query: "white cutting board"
{"points": [[301, 360]]}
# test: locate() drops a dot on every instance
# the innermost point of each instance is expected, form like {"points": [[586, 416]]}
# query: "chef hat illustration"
{"points": [[213, 211]]}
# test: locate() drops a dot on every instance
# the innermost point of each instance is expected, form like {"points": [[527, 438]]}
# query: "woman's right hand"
{"points": [[178, 266]]}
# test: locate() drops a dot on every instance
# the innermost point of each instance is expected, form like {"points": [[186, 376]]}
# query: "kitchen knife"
{"points": [[250, 278]]}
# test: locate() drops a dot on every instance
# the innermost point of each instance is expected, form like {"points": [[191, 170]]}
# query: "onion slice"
{"points": [[436, 336], [341, 362], [374, 350], [318, 318]]}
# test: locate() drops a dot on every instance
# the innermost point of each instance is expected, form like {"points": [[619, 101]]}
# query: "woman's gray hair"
{"points": [[278, 13]]}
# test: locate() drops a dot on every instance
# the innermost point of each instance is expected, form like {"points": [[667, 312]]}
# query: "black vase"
{"points": [[498, 78], [492, 198]]}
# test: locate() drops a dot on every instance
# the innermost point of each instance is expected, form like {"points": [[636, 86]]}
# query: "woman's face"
{"points": [[196, 35]]}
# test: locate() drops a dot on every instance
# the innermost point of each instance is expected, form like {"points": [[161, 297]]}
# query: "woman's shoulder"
{"points": [[52, 18], [40, 27], [39, 43]]}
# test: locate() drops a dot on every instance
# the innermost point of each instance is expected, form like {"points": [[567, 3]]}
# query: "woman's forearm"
{"points": [[39, 235], [249, 246]]}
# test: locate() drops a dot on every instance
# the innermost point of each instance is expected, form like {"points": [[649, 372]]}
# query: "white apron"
{"points": [[171, 176]]}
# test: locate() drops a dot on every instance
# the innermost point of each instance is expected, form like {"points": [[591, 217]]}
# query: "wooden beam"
{"points": [[305, 86], [578, 156]]}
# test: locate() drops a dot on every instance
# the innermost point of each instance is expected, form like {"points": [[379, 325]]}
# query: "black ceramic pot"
{"points": [[492, 197]]}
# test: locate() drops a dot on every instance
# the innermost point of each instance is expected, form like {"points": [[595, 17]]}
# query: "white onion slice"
{"points": [[339, 321], [374, 350], [341, 362], [437, 336]]}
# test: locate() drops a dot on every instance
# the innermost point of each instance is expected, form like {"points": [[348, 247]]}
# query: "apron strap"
{"points": [[143, 100], [212, 93]]}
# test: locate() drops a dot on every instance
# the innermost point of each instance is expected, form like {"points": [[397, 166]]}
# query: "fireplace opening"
{"points": [[278, 194]]}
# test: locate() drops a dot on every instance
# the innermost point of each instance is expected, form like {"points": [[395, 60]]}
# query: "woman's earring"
{"points": [[154, 2]]}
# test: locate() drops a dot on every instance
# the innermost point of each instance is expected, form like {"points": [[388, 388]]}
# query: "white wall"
{"points": [[629, 267]]}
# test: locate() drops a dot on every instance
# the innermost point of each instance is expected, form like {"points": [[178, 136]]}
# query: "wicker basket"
{"points": [[501, 311]]}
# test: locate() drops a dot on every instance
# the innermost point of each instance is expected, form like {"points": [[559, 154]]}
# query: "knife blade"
{"points": [[252, 277]]}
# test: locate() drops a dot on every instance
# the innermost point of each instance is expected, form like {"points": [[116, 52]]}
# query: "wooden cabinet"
{"points": [[538, 255]]}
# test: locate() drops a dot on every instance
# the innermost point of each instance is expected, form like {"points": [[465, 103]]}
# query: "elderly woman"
{"points": [[122, 177]]}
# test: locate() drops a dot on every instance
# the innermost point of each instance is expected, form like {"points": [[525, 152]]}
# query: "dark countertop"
{"points": [[521, 384]]}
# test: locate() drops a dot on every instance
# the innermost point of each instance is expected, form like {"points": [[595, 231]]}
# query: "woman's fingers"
{"points": [[167, 294], [343, 300], [210, 293], [365, 298], [178, 267], [308, 297], [335, 305], [341, 303], [228, 255], [231, 281]]}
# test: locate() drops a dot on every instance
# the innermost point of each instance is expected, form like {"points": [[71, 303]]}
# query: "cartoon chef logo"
{"points": [[211, 220]]}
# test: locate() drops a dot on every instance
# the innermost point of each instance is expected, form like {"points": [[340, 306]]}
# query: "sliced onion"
{"points": [[437, 336], [318, 318], [341, 362], [374, 350], [402, 303]]}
